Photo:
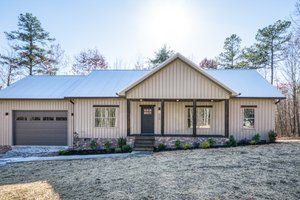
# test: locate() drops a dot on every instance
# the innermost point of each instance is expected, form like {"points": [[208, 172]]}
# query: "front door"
{"points": [[147, 120]]}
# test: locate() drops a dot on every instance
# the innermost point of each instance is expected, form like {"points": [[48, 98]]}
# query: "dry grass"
{"points": [[40, 190], [250, 172]]}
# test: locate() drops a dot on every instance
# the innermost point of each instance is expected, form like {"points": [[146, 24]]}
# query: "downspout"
{"points": [[72, 115]]}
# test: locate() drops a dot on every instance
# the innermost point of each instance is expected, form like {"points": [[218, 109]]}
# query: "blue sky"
{"points": [[127, 30]]}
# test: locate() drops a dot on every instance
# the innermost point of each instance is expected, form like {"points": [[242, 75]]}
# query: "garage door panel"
{"points": [[41, 130]]}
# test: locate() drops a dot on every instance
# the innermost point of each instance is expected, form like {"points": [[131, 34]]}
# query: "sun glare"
{"points": [[167, 22]]}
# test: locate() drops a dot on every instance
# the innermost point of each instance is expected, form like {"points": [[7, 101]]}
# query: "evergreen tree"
{"points": [[272, 42], [232, 52], [160, 56], [31, 43]]}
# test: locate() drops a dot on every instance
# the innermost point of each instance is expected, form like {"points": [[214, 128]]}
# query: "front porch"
{"points": [[178, 118]]}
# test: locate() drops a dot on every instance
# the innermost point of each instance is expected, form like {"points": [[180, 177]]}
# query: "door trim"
{"points": [[141, 110]]}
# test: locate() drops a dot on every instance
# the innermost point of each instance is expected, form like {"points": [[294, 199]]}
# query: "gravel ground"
{"points": [[251, 172], [28, 151]]}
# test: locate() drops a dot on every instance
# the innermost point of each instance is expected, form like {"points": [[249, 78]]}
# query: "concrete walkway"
{"points": [[4, 161]]}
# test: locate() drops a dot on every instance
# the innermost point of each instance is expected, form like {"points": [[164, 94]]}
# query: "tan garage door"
{"points": [[40, 128]]}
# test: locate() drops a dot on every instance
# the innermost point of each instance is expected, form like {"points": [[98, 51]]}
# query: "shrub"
{"points": [[205, 145], [126, 148], [118, 150], [256, 138], [187, 146], [93, 144], [107, 146], [62, 152], [211, 142], [161, 147], [178, 144], [231, 142], [272, 136], [244, 142], [122, 142], [195, 145], [253, 142]]}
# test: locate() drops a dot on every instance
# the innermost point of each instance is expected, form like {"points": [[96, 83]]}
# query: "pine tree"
{"points": [[160, 56], [31, 43], [272, 42], [232, 52]]}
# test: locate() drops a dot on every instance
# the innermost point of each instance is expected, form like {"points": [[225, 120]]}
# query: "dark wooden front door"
{"points": [[147, 120]]}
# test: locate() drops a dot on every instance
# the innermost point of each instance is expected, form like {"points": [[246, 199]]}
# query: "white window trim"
{"points": [[117, 117]]}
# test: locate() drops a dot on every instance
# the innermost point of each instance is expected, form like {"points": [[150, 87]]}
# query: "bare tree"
{"points": [[9, 67], [88, 60], [56, 55], [208, 64]]}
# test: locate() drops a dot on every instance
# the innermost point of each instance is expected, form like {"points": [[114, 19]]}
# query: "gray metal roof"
{"points": [[249, 83], [41, 87], [107, 83]]}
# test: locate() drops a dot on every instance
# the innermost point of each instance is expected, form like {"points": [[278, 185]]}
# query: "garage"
{"points": [[41, 128]]}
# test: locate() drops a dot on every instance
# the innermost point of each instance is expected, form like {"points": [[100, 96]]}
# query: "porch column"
{"points": [[194, 117], [226, 117], [162, 117], [128, 117]]}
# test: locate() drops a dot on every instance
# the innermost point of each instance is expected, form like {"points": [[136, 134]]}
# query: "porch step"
{"points": [[142, 149], [144, 143]]}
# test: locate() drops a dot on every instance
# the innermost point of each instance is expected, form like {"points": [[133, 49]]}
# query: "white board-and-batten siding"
{"points": [[9, 106], [177, 81]]}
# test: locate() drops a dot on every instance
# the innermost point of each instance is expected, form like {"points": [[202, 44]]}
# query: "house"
{"points": [[176, 100]]}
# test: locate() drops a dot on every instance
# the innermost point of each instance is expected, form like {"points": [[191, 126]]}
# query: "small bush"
{"points": [[253, 142], [231, 142], [107, 146], [93, 144], [118, 150], [205, 145], [187, 146], [211, 142], [62, 152], [256, 138], [122, 142], [126, 148], [272, 136], [195, 145], [161, 147], [178, 144], [244, 142]]}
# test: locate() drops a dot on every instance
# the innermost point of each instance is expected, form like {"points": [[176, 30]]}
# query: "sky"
{"points": [[125, 31]]}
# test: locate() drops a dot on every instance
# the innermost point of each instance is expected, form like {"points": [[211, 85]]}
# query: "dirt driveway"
{"points": [[252, 172]]}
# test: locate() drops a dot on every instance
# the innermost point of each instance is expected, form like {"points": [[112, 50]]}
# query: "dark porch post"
{"points": [[226, 117], [162, 117], [128, 117], [194, 117]]}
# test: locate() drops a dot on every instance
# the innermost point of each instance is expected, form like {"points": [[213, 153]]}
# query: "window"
{"points": [[202, 116], [35, 119], [21, 118], [48, 118], [105, 117], [249, 118], [61, 118], [147, 111]]}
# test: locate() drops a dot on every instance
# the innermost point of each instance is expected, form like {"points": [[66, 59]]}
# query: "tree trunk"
{"points": [[272, 65]]}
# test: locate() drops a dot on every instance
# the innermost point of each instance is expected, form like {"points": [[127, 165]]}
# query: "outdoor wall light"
{"points": [[141, 99], [6, 113], [177, 100], [72, 114]]}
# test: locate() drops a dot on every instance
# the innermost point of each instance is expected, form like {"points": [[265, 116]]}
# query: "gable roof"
{"points": [[41, 87], [107, 83], [189, 63]]}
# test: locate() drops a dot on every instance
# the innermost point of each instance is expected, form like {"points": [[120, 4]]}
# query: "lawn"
{"points": [[250, 172]]}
